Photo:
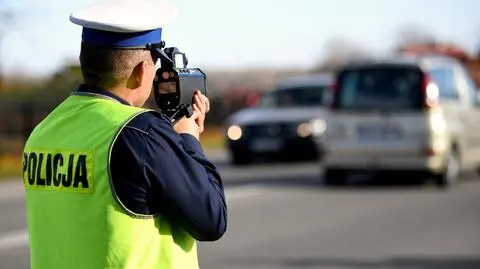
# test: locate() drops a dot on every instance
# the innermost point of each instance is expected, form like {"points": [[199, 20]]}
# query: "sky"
{"points": [[226, 34]]}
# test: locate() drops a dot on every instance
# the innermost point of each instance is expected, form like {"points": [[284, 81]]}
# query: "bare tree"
{"points": [[338, 52], [413, 34]]}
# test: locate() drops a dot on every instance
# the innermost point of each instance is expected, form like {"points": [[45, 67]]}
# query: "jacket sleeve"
{"points": [[186, 186]]}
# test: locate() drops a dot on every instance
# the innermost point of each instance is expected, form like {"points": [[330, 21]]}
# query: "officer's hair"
{"points": [[107, 67]]}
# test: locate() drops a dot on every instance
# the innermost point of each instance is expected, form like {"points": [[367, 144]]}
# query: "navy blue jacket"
{"points": [[155, 170]]}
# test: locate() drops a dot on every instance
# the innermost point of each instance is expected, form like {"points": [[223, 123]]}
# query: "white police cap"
{"points": [[124, 23]]}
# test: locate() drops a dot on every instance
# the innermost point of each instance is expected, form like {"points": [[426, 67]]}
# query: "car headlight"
{"points": [[303, 129], [318, 126], [234, 132]]}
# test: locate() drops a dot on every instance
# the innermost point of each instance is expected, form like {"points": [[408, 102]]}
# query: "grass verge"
{"points": [[10, 166], [212, 138]]}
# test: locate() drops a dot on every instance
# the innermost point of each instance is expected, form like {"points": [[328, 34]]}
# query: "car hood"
{"points": [[262, 115]]}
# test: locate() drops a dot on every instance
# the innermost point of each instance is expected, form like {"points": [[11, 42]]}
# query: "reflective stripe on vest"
{"points": [[74, 217]]}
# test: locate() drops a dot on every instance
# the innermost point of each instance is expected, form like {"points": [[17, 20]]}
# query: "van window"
{"points": [[444, 78], [291, 97], [379, 87]]}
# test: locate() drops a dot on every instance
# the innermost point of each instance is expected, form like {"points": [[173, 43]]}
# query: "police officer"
{"points": [[108, 183]]}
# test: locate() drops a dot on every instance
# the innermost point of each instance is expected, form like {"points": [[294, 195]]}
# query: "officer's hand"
{"points": [[195, 124], [201, 106]]}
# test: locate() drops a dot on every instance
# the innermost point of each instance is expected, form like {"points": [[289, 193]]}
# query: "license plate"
{"points": [[271, 144], [380, 132]]}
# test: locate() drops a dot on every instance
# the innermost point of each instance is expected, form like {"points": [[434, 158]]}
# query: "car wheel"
{"points": [[335, 177], [452, 170]]}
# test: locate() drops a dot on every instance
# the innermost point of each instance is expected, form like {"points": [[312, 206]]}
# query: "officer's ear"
{"points": [[139, 75]]}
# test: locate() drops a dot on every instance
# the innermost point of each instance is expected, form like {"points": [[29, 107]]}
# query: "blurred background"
{"points": [[281, 216]]}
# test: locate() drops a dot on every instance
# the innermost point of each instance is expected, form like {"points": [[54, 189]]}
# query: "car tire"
{"points": [[449, 177], [334, 177]]}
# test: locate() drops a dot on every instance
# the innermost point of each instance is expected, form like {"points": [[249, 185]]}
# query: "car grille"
{"points": [[270, 130]]}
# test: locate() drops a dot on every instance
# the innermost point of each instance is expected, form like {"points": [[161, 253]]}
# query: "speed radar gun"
{"points": [[175, 85]]}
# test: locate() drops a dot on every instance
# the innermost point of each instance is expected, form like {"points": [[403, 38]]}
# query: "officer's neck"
{"points": [[126, 93]]}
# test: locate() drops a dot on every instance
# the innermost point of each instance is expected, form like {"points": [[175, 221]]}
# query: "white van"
{"points": [[404, 114]]}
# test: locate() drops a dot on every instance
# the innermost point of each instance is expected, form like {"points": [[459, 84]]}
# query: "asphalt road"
{"points": [[280, 216]]}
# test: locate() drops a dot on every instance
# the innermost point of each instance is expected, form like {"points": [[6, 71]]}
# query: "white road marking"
{"points": [[13, 239]]}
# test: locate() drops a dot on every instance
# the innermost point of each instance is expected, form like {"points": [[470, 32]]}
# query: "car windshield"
{"points": [[382, 87], [291, 97]]}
